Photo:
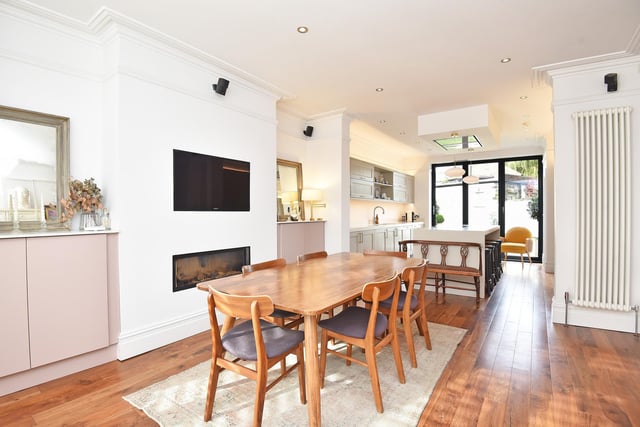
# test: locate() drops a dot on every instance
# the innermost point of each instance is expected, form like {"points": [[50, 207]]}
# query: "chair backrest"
{"points": [[312, 255], [274, 263], [517, 235], [241, 307], [374, 292], [238, 307], [419, 274], [384, 253]]}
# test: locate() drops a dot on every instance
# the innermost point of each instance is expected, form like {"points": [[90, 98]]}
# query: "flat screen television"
{"points": [[209, 183]]}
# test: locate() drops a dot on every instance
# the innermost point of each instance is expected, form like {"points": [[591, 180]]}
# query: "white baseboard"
{"points": [[137, 342], [621, 321]]}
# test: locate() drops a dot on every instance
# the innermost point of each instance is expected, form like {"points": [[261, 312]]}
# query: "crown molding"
{"points": [[107, 23], [634, 43], [542, 75]]}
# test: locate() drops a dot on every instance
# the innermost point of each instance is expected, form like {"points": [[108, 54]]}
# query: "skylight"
{"points": [[458, 142]]}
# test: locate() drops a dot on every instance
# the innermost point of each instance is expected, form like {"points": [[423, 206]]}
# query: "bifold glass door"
{"points": [[507, 193], [522, 204]]}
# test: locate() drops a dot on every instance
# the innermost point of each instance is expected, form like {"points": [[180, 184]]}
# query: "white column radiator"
{"points": [[604, 208]]}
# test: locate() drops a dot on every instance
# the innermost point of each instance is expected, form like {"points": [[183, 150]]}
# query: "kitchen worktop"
{"points": [[388, 224]]}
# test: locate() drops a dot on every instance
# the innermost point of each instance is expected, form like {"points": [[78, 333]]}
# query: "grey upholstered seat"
{"points": [[353, 322], [403, 296], [240, 341]]}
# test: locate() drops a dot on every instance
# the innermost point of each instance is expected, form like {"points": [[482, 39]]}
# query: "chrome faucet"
{"points": [[376, 220]]}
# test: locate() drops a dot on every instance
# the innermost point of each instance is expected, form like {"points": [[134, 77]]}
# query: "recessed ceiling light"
{"points": [[505, 60], [402, 132], [302, 29], [379, 89], [523, 97], [382, 121]]}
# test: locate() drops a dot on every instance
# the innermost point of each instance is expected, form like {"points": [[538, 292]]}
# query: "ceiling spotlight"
{"points": [[382, 121], [379, 89], [523, 97], [454, 134], [403, 132], [302, 29], [505, 60]]}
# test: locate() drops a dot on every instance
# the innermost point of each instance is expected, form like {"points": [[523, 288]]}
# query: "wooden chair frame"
{"points": [[295, 319], [384, 253], [250, 308], [419, 313], [373, 293], [311, 255]]}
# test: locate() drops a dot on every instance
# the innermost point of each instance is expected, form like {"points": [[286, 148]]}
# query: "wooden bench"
{"points": [[454, 265]]}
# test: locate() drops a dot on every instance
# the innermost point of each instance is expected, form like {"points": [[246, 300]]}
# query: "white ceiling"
{"points": [[428, 55]]}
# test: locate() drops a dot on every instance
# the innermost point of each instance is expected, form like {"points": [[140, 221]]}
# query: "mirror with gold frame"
{"points": [[289, 190], [34, 167]]}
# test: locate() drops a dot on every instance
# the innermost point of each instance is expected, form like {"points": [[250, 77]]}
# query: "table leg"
{"points": [[312, 371]]}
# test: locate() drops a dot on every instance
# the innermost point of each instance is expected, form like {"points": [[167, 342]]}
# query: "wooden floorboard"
{"points": [[513, 368]]}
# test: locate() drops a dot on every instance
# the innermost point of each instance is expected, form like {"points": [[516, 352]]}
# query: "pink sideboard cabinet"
{"points": [[59, 310], [299, 237]]}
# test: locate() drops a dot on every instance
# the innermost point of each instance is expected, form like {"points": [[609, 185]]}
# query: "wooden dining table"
{"points": [[310, 289]]}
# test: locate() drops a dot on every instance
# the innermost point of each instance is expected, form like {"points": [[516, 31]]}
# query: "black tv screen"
{"points": [[209, 183]]}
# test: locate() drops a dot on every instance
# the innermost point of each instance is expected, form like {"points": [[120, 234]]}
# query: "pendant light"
{"points": [[454, 171], [470, 179]]}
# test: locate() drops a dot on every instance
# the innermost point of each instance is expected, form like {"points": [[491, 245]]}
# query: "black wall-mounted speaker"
{"points": [[308, 131], [221, 87], [611, 80]]}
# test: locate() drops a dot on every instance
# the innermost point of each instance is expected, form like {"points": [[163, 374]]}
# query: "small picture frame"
{"points": [[50, 212]]}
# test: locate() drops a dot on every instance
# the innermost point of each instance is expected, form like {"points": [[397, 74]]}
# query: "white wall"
{"points": [[325, 166], [582, 89], [131, 99]]}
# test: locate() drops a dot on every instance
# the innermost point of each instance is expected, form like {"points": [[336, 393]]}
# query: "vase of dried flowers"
{"points": [[84, 197]]}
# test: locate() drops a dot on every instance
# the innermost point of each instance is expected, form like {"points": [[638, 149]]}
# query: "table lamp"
{"points": [[312, 195]]}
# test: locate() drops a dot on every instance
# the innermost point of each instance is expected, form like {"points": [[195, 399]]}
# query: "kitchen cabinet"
{"points": [[403, 188], [362, 189], [14, 318], [391, 239], [299, 237], [371, 182], [58, 305], [359, 241], [361, 170], [68, 308], [383, 237]]}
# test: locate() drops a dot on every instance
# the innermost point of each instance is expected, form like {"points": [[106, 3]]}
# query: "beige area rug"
{"points": [[347, 399]]}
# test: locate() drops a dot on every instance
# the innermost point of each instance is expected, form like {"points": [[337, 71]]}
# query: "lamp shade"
{"points": [[471, 179], [454, 172], [311, 194], [289, 196]]}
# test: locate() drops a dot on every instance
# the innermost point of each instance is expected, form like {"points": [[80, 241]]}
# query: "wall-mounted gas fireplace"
{"points": [[191, 269]]}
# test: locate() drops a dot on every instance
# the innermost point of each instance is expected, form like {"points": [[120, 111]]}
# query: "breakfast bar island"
{"points": [[472, 234]]}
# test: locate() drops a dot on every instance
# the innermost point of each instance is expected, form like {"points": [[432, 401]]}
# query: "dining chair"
{"points": [[311, 255], [253, 340], [283, 318], [368, 329], [279, 317], [411, 307], [384, 253]]}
